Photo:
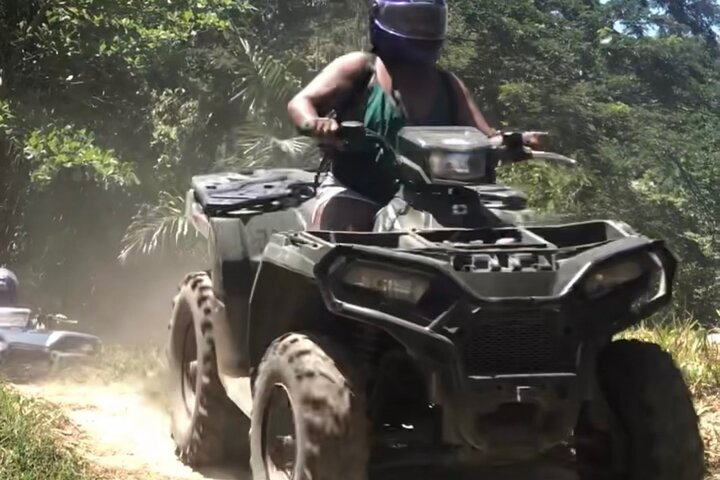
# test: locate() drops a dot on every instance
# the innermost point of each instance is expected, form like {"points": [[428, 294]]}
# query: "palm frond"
{"points": [[257, 144], [155, 227], [264, 82], [266, 138]]}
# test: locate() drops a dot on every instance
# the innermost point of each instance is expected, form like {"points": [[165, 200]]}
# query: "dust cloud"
{"points": [[116, 407], [122, 432]]}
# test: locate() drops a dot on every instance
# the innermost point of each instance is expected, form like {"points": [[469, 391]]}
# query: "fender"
{"points": [[285, 297], [232, 266], [237, 244]]}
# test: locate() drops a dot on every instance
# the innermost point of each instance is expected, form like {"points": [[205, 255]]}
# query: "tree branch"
{"points": [[35, 22]]}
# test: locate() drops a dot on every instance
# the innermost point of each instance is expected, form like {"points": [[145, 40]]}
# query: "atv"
{"points": [[33, 345], [449, 336]]}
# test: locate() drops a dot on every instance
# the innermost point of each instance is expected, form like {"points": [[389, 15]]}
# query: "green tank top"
{"points": [[363, 166], [384, 116]]}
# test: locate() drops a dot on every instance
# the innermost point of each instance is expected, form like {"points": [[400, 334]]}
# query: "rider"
{"points": [[398, 83], [8, 288]]}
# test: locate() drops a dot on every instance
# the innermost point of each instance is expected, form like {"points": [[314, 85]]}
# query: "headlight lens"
{"points": [[394, 284], [606, 279], [457, 165]]}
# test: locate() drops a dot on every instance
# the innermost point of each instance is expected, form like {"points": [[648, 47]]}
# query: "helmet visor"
{"points": [[413, 20]]}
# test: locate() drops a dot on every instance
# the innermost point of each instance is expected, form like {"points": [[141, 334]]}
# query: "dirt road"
{"points": [[124, 432], [121, 431]]}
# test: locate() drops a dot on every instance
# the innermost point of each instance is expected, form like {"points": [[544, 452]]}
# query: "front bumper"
{"points": [[507, 346], [515, 412], [512, 417]]}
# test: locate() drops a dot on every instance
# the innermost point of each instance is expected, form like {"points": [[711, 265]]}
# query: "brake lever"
{"points": [[551, 156]]}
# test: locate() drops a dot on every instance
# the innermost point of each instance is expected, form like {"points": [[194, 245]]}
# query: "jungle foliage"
{"points": [[108, 107]]}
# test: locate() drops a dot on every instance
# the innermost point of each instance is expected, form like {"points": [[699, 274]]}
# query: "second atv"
{"points": [[446, 337]]}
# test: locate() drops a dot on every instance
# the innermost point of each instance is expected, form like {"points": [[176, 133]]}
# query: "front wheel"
{"points": [[309, 419], [654, 414]]}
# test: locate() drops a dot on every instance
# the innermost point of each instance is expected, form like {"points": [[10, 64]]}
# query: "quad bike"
{"points": [[34, 345], [446, 337]]}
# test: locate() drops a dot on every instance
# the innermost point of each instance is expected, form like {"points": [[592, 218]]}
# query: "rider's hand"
{"points": [[534, 139], [324, 129]]}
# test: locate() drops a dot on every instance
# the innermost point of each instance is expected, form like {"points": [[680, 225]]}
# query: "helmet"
{"points": [[8, 288], [408, 30]]}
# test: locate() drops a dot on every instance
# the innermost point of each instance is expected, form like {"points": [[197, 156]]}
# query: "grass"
{"points": [[37, 441], [118, 364], [30, 442], [143, 367]]}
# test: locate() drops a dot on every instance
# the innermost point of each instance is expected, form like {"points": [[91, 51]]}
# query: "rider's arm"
{"points": [[469, 112], [323, 91]]}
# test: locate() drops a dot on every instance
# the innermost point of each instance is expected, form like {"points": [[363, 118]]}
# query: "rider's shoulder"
{"points": [[351, 64]]}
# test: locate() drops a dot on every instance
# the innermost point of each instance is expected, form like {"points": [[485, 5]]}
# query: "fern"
{"points": [[156, 226]]}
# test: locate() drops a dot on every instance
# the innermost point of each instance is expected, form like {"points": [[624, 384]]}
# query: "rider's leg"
{"points": [[340, 209]]}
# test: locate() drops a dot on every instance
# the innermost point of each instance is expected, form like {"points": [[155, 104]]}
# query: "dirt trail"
{"points": [[121, 431], [124, 431]]}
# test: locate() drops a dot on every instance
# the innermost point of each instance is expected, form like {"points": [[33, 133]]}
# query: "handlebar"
{"points": [[511, 144], [346, 129]]}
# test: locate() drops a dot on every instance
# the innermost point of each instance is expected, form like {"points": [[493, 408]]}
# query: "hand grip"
{"points": [[346, 129]]}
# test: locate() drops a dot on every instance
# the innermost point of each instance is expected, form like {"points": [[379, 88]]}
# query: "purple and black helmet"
{"points": [[8, 288], [408, 30]]}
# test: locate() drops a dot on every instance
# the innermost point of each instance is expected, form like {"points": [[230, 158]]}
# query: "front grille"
{"points": [[516, 343]]}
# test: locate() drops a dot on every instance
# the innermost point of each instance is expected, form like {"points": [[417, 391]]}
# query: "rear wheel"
{"points": [[655, 416], [309, 418], [206, 426]]}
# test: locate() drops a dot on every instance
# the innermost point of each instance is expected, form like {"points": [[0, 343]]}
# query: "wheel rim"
{"points": [[188, 368], [279, 436]]}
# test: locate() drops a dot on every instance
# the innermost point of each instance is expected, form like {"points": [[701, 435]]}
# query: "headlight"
{"points": [[607, 278], [457, 165], [395, 284]]}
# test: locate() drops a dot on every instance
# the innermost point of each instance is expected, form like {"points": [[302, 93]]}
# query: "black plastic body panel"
{"points": [[435, 207], [550, 339], [236, 247], [500, 196], [297, 269], [283, 301], [293, 263], [233, 273]]}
